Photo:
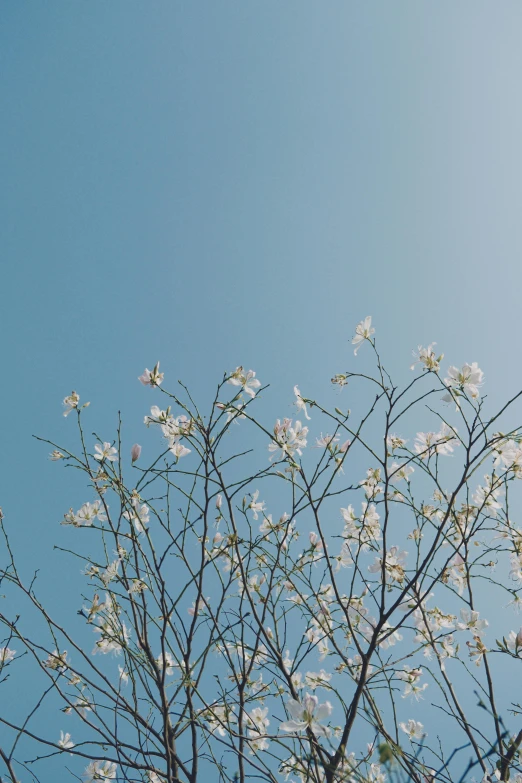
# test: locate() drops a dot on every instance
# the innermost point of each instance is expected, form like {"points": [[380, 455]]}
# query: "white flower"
{"points": [[395, 442], [152, 377], [447, 650], [108, 452], [65, 741], [158, 416], [100, 770], [428, 443], [200, 606], [306, 714], [86, 515], [287, 661], [82, 706], [413, 729], [114, 635], [232, 411], [167, 663], [394, 563], [477, 650], [56, 455], [411, 677], [124, 676], [315, 680], [71, 402], [289, 438], [300, 403], [376, 775], [218, 718], [247, 381], [487, 498], [468, 380], [365, 529], [110, 572], [363, 331], [178, 449], [387, 639], [514, 641], [457, 572], [428, 358], [371, 485], [6, 655], [255, 506], [137, 586], [344, 559], [342, 380], [516, 603], [471, 622], [400, 472], [139, 516], [56, 661], [258, 723], [326, 441]]}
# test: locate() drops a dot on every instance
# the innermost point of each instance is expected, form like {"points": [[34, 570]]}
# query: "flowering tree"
{"points": [[278, 613]]}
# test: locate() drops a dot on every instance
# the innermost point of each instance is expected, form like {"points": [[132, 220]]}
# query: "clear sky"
{"points": [[222, 183]]}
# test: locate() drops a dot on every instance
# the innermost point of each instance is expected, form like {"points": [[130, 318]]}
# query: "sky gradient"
{"points": [[220, 183]]}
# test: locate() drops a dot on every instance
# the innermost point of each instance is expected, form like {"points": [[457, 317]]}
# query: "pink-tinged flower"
{"points": [[288, 438], [363, 331], [152, 377], [108, 452], [200, 606], [135, 452], [247, 381], [306, 714]]}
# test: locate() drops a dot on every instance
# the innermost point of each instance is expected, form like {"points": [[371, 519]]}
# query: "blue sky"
{"points": [[213, 184]]}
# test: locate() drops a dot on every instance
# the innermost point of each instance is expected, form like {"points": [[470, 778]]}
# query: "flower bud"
{"points": [[135, 452]]}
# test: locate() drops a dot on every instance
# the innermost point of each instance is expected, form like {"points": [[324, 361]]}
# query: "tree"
{"points": [[237, 642]]}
